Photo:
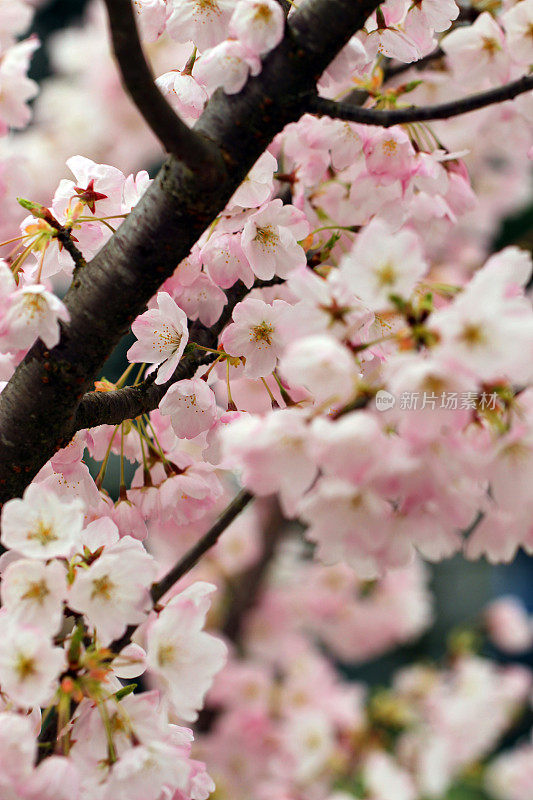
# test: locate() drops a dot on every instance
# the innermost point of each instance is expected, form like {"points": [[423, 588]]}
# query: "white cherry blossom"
{"points": [[42, 525]]}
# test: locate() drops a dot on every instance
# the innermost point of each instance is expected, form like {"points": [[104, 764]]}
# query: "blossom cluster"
{"points": [[363, 258]]}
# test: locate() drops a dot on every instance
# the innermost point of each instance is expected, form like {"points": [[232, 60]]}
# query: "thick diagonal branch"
{"points": [[398, 116], [177, 138], [39, 404]]}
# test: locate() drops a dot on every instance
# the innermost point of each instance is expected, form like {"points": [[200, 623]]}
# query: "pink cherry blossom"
{"points": [[390, 154], [272, 454], [16, 89], [18, 750], [113, 592], [225, 262], [352, 524], [478, 50], [228, 65], [128, 520], [258, 332], [518, 22], [162, 335], [151, 17], [15, 17], [270, 240], [33, 592], [382, 264], [32, 312], [202, 299], [205, 23], [181, 656], [191, 406], [186, 96], [258, 185], [258, 24], [322, 365], [509, 625]]}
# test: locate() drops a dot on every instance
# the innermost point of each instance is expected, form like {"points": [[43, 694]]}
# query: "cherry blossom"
{"points": [[478, 50], [225, 262], [202, 299], [151, 15], [508, 625], [258, 24], [186, 96], [228, 65], [382, 265], [321, 365], [41, 525], [347, 300], [191, 406], [258, 332], [33, 592], [32, 312], [16, 89], [205, 23], [180, 655], [257, 187], [162, 335], [273, 453], [113, 591], [29, 665], [270, 240]]}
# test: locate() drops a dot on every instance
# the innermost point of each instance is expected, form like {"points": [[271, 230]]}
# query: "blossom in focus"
{"points": [[206, 23], [270, 240], [258, 332], [162, 335], [191, 406]]}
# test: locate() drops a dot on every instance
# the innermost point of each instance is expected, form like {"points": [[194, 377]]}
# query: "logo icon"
{"points": [[385, 400]]}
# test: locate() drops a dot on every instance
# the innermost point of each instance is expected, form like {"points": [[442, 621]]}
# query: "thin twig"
{"points": [[393, 70], [385, 118], [64, 237], [189, 560], [207, 541]]}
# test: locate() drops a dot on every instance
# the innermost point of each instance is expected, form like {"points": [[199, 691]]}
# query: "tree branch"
{"points": [[385, 118], [189, 560], [286, 6], [175, 136], [111, 408], [393, 70], [207, 541], [250, 585], [64, 237], [39, 404]]}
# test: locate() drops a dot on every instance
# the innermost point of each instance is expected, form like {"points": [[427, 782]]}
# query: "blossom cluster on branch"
{"points": [[341, 340]]}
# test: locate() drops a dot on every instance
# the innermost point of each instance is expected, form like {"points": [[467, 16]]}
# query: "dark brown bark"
{"points": [[385, 118], [176, 137], [38, 406]]}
